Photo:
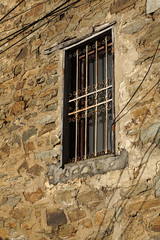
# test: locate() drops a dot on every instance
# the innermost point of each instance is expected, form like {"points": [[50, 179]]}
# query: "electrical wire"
{"points": [[11, 10], [8, 19], [117, 117], [66, 8], [33, 23]]}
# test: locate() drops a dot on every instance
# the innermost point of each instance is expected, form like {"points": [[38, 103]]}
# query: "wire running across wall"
{"points": [[57, 11]]}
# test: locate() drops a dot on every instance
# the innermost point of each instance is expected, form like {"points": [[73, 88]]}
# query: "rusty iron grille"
{"points": [[89, 70]]}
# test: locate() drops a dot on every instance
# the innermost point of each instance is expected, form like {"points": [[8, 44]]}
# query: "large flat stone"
{"points": [[152, 6], [56, 217]]}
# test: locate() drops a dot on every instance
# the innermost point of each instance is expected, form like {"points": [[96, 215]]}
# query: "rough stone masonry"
{"points": [[110, 198]]}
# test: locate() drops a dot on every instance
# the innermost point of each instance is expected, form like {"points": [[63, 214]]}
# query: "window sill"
{"points": [[89, 167]]}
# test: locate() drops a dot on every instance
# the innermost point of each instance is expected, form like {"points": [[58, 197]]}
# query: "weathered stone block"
{"points": [[56, 217], [151, 133], [20, 213], [23, 166], [34, 196], [47, 128], [76, 214], [29, 133], [35, 170], [18, 107], [6, 149], [157, 187], [63, 198], [67, 231], [22, 54], [90, 199], [135, 26], [152, 6], [87, 223], [140, 188], [155, 224], [120, 5], [29, 146]]}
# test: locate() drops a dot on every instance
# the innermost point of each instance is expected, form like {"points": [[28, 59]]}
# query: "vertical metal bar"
{"points": [[76, 138], [106, 49], [86, 104], [113, 94], [82, 127], [96, 108]]}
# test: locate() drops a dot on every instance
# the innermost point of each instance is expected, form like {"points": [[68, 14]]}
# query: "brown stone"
{"points": [[6, 149], [29, 146], [76, 214], [67, 231], [90, 199], [20, 213], [24, 166], [34, 196], [99, 217], [35, 170], [155, 224], [52, 67], [56, 217], [47, 128], [3, 234], [22, 54], [87, 223], [17, 108], [120, 5], [17, 70], [20, 85], [144, 205], [63, 198]]}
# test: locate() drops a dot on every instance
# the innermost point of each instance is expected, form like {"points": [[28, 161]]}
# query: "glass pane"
{"points": [[109, 137], [91, 132], [101, 129]]}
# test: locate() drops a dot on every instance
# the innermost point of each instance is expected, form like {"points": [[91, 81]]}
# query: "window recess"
{"points": [[89, 99]]}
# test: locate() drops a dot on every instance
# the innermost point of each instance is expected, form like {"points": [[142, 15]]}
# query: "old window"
{"points": [[88, 99]]}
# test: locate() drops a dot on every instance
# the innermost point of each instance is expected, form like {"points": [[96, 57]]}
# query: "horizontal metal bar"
{"points": [[95, 105], [93, 51], [88, 94]]}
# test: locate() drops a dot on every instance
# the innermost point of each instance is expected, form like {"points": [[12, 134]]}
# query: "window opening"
{"points": [[89, 103]]}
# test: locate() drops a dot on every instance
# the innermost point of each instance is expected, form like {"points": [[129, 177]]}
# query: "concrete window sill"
{"points": [[90, 167]]}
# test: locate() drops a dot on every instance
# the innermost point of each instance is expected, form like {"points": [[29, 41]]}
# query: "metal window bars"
{"points": [[91, 97]]}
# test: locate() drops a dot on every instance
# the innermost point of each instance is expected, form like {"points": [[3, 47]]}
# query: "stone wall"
{"points": [[117, 203]]}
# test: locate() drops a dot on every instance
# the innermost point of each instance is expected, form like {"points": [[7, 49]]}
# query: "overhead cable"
{"points": [[11, 10]]}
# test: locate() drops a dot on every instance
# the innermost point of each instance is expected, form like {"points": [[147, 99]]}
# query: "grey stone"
{"points": [[157, 187], [11, 200], [17, 139], [151, 133], [152, 6], [46, 119], [56, 217], [52, 79], [135, 26], [29, 133], [47, 154]]}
